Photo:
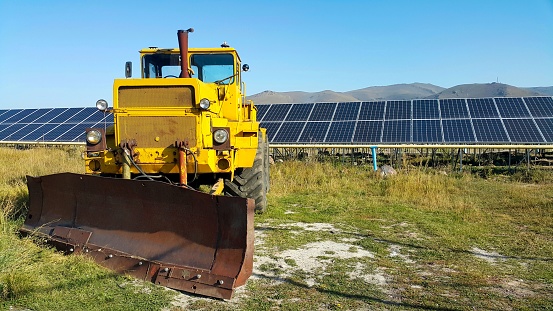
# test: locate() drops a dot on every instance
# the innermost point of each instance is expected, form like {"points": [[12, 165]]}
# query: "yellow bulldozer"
{"points": [[184, 123]]}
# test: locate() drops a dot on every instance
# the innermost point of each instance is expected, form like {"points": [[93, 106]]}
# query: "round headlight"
{"points": [[204, 103], [220, 136], [93, 137], [102, 105]]}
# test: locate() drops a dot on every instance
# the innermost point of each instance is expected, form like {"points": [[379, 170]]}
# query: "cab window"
{"points": [[161, 65], [206, 67], [213, 67]]}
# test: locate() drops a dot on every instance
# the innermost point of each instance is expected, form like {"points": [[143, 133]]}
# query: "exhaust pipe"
{"points": [[183, 46]]}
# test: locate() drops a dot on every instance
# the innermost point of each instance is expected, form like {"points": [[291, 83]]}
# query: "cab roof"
{"points": [[154, 50]]}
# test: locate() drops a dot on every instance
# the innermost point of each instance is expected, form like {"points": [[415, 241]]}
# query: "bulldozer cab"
{"points": [[208, 67]]}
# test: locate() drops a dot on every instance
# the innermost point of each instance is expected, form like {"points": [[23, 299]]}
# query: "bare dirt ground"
{"points": [[311, 259]]}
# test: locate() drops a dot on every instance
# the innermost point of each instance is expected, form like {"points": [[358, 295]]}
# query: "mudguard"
{"points": [[172, 236]]}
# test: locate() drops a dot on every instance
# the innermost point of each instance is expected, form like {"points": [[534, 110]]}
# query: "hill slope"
{"points": [[390, 92], [401, 92], [270, 97], [396, 92], [484, 90], [547, 90]]}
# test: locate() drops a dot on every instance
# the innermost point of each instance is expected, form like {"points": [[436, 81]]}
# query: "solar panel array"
{"points": [[502, 120], [50, 124], [520, 120]]}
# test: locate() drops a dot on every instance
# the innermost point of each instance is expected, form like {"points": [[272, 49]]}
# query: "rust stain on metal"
{"points": [[183, 175], [172, 236]]}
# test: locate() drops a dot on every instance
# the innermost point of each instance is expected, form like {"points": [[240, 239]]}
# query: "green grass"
{"points": [[38, 278], [455, 241], [35, 277], [438, 221]]}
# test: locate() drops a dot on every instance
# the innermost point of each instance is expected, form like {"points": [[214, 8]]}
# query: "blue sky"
{"points": [[67, 53]]}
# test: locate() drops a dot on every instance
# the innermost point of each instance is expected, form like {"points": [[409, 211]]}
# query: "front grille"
{"points": [[157, 132], [155, 96]]}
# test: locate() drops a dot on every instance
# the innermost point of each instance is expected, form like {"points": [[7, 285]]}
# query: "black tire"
{"points": [[252, 182]]}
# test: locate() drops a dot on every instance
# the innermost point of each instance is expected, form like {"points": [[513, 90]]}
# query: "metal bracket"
{"points": [[126, 144]]}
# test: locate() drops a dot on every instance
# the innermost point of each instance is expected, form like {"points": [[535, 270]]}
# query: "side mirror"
{"points": [[128, 69], [245, 67]]}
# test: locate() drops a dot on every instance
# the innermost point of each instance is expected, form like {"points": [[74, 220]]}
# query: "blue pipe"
{"points": [[373, 149]]}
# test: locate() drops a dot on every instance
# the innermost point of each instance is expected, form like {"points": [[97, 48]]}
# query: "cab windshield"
{"points": [[213, 67], [206, 67]]}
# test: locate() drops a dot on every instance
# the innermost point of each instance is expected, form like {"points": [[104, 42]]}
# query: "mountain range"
{"points": [[402, 92]]}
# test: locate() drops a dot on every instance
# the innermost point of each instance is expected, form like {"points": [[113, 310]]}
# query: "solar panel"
{"points": [[22, 132], [427, 131], [347, 111], [540, 107], [289, 132], [546, 128], [47, 124], [512, 108], [527, 120], [81, 116], [323, 112], [489, 131], [398, 109], [458, 131], [66, 115], [368, 132], [75, 133], [5, 118], [21, 115], [105, 122], [372, 111], [2, 128], [396, 131], [425, 109], [272, 128], [314, 132], [261, 110], [40, 133], [34, 115], [522, 131], [277, 112], [58, 131], [482, 108], [50, 115], [340, 132], [2, 112], [10, 129], [453, 108], [299, 112], [97, 116]]}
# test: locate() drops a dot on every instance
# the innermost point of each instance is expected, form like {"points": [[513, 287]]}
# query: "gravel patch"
{"points": [[395, 251], [491, 257], [313, 258]]}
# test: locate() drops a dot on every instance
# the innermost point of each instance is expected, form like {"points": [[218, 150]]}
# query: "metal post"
{"points": [[528, 159], [460, 160], [126, 165], [373, 151], [509, 161], [182, 167]]}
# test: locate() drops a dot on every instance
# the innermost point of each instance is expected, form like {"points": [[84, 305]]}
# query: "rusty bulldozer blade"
{"points": [[172, 236]]}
